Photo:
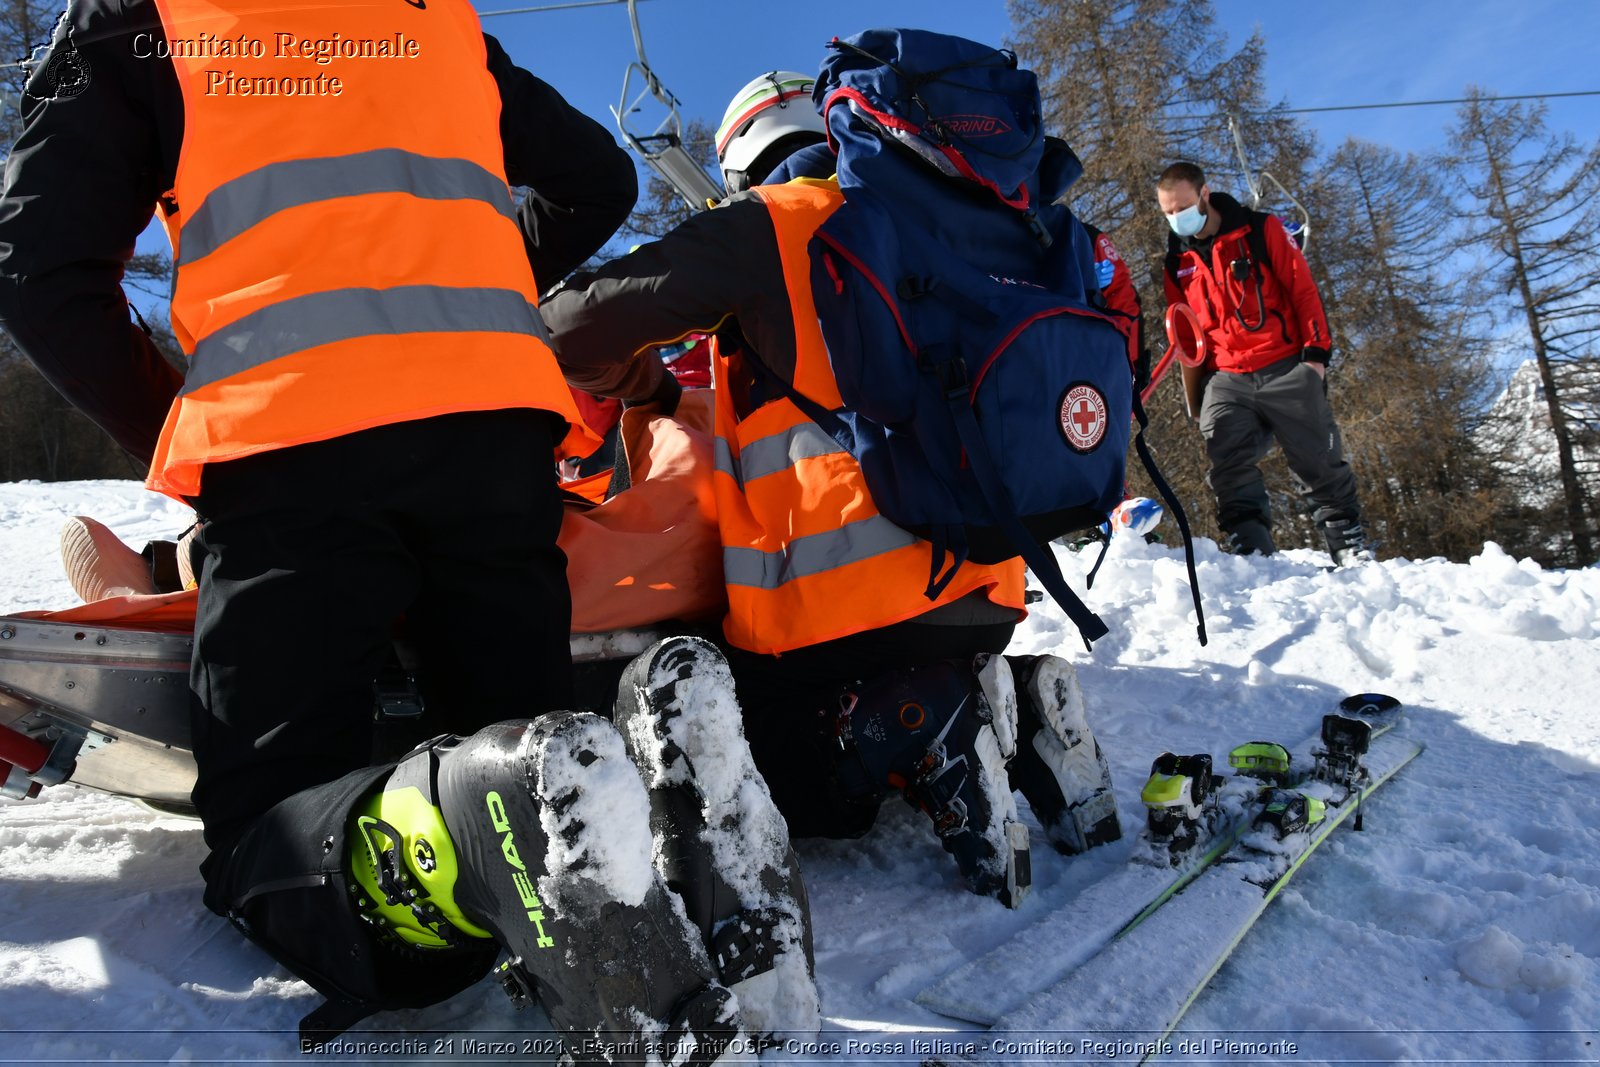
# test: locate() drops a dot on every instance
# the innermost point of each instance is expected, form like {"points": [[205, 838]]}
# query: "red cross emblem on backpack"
{"points": [[1083, 417]]}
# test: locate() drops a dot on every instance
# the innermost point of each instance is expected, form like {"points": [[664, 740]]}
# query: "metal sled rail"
{"points": [[108, 708]]}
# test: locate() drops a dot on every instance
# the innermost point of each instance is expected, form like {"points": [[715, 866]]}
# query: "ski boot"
{"points": [[536, 834], [932, 734], [1250, 537], [1180, 797], [1289, 812], [720, 843], [1059, 767], [1347, 542]]}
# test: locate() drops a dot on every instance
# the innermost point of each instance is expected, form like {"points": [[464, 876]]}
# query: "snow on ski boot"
{"points": [[536, 833], [1288, 811], [98, 564], [1180, 797], [1059, 767], [721, 844], [1267, 761], [930, 733]]}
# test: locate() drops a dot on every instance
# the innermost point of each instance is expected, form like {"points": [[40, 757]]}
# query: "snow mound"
{"points": [[1462, 923]]}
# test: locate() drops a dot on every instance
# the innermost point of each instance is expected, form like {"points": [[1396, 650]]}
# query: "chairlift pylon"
{"points": [[1299, 228], [662, 149]]}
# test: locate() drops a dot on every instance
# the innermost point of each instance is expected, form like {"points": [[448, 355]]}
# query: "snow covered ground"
{"points": [[1462, 925]]}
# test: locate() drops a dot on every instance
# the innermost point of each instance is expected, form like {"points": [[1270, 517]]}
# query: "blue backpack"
{"points": [[987, 399]]}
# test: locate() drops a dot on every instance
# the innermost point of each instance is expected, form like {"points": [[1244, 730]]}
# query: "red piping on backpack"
{"points": [[894, 122], [833, 272], [1017, 330], [872, 279]]}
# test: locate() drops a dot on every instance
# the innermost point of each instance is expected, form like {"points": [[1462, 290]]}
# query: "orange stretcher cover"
{"points": [[648, 555]]}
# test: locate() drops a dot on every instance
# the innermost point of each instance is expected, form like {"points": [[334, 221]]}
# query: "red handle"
{"points": [[1175, 348], [22, 750], [1202, 350]]}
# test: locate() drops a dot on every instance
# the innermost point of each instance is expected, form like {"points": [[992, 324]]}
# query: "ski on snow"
{"points": [[1112, 996], [1006, 978]]}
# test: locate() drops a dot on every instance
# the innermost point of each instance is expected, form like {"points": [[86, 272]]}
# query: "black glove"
{"points": [[665, 397], [1313, 354]]}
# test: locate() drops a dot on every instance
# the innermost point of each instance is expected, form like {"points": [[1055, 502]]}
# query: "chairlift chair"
{"points": [[662, 148], [1298, 225]]}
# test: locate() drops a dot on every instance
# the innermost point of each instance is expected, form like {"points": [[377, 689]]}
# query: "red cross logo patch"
{"points": [[1083, 417]]}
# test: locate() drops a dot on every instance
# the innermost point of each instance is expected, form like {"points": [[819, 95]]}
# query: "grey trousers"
{"points": [[1242, 414]]}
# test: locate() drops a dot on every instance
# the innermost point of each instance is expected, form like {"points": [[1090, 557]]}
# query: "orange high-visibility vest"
{"points": [[806, 556], [346, 245]]}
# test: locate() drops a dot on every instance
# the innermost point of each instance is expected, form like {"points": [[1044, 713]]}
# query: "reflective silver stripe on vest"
{"points": [[306, 322], [725, 461], [813, 554], [775, 452], [235, 206]]}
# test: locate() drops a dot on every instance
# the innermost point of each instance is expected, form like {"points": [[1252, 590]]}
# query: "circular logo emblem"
{"points": [[912, 716], [425, 858], [1082, 411], [66, 72]]}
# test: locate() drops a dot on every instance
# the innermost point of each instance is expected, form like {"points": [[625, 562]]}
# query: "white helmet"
{"points": [[766, 121]]}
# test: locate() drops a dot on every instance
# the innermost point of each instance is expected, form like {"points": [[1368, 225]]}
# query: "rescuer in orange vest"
{"points": [[852, 683], [366, 425]]}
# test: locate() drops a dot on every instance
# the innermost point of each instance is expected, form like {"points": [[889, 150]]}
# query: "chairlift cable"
{"points": [[550, 7], [1269, 112]]}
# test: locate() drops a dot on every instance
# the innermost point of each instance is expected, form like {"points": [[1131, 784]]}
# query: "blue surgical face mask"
{"points": [[1188, 222]]}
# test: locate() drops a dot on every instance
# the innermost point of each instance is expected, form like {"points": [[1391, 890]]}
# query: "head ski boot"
{"points": [[536, 833], [1059, 767], [720, 842], [929, 733]]}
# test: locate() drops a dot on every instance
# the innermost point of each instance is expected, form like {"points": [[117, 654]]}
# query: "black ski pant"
{"points": [[789, 702], [1242, 414], [312, 553]]}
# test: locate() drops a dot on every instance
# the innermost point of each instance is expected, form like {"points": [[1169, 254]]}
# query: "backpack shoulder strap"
{"points": [[1174, 254], [1257, 239]]}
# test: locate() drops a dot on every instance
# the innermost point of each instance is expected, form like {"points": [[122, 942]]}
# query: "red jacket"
{"points": [[1121, 296], [1271, 313]]}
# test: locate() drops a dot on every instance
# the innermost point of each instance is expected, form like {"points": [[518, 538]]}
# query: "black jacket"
{"points": [[99, 148]]}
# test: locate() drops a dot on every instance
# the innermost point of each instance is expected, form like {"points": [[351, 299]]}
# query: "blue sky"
{"points": [[1360, 51], [1318, 55]]}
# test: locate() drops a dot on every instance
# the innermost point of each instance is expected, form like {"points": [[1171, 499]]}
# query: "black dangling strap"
{"points": [[1178, 516], [1105, 546], [1039, 560], [947, 541]]}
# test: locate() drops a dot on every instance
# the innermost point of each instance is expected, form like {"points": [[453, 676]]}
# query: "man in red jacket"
{"points": [[1265, 375]]}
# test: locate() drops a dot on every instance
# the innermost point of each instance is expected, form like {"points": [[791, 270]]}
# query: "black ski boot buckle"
{"points": [[518, 987], [745, 945], [936, 780], [397, 886], [843, 733]]}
